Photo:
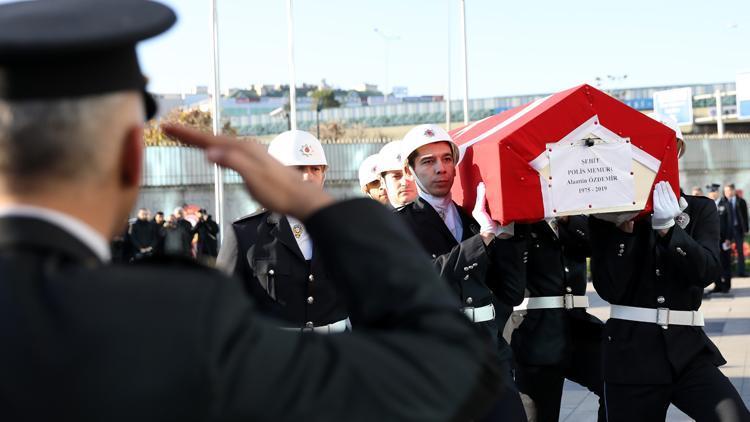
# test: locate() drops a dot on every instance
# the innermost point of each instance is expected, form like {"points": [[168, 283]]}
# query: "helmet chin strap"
{"points": [[422, 192]]}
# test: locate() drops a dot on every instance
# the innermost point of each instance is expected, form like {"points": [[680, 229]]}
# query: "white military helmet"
{"points": [[389, 158], [297, 148], [368, 170], [672, 124], [426, 134]]}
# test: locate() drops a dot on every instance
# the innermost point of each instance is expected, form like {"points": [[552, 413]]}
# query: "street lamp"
{"points": [[386, 40], [318, 107]]}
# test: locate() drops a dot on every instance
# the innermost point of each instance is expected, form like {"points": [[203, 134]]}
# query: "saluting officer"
{"points": [[369, 180], [480, 260], [653, 272], [275, 256], [557, 339], [84, 340]]}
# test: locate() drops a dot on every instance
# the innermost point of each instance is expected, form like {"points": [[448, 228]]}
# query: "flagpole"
{"points": [[466, 68], [292, 80], [216, 115], [448, 87]]}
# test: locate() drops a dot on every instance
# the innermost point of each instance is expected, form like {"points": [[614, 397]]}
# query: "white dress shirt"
{"points": [[75, 227], [446, 209], [302, 237]]}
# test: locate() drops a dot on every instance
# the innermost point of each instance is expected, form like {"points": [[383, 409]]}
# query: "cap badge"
{"points": [[429, 133], [306, 150]]}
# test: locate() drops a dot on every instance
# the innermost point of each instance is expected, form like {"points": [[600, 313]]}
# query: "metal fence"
{"points": [[185, 166]]}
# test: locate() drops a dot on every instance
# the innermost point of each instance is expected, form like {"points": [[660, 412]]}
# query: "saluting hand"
{"points": [[276, 187]]}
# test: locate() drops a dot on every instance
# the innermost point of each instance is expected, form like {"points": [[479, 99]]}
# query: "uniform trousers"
{"points": [[544, 383], [739, 243], [726, 270], [508, 407], [701, 391]]}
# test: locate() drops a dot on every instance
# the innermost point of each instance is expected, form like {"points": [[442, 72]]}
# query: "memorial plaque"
{"points": [[590, 174]]}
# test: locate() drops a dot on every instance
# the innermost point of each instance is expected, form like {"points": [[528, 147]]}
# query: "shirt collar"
{"points": [[439, 203], [80, 230]]}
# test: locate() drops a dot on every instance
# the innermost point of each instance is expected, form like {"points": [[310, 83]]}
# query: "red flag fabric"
{"points": [[507, 150]]}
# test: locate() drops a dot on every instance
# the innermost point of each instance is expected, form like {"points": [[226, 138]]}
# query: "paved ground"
{"points": [[727, 323]]}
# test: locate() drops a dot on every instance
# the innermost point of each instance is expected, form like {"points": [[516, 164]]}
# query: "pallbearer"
{"points": [[400, 190], [369, 180], [653, 272], [557, 339], [481, 260]]}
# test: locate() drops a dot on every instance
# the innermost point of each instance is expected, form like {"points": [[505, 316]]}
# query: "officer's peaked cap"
{"points": [[52, 49]]}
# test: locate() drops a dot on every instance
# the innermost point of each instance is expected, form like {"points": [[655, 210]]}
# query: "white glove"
{"points": [[506, 232], [486, 223], [666, 207]]}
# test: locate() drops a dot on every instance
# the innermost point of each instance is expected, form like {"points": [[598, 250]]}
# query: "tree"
{"points": [[324, 98], [194, 118]]}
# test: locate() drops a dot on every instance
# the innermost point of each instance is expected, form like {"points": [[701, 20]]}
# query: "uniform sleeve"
{"points": [[613, 259], [696, 257], [413, 357], [467, 259], [507, 272], [227, 259]]}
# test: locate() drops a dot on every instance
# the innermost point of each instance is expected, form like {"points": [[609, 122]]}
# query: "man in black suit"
{"points": [[737, 208], [557, 338], [143, 235], [481, 261], [655, 352], [724, 283], [274, 255], [89, 341]]}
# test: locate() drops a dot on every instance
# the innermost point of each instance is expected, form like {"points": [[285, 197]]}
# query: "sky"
{"points": [[520, 47]]}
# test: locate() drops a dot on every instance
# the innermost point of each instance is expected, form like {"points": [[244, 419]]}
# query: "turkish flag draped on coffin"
{"points": [[512, 151]]}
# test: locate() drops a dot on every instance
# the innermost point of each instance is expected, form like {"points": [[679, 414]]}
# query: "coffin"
{"points": [[579, 151]]}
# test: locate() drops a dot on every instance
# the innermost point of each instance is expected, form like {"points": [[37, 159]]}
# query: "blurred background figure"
{"points": [[177, 235], [737, 208], [207, 231], [143, 235]]}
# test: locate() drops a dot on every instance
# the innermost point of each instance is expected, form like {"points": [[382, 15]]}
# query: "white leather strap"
{"points": [[336, 327], [553, 302], [485, 313], [661, 316]]}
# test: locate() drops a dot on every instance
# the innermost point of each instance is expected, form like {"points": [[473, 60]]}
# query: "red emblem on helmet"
{"points": [[429, 133], [306, 150]]}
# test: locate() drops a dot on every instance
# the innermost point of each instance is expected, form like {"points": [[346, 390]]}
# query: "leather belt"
{"points": [[335, 327], [660, 316], [553, 302], [485, 313]]}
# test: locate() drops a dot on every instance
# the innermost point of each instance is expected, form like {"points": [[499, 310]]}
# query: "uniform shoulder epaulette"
{"points": [[249, 217]]}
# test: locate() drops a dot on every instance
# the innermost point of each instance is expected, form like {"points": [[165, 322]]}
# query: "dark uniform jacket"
{"points": [[180, 342], [740, 213], [261, 250], [478, 274], [645, 270], [725, 221], [556, 266]]}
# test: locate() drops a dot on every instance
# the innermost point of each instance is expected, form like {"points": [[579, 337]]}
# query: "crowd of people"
{"points": [[173, 235], [387, 308], [733, 227]]}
